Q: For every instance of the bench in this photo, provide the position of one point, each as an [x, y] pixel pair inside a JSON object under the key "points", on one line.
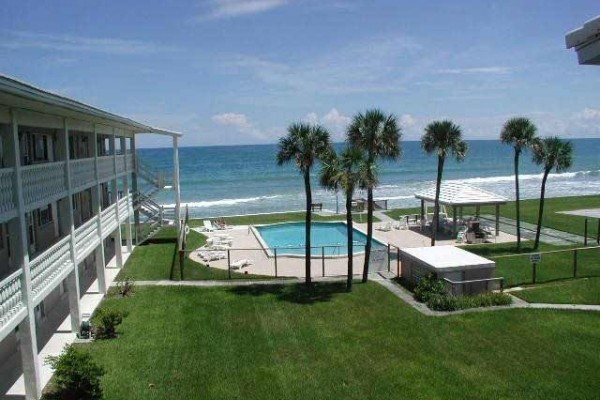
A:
{"points": [[316, 206]]}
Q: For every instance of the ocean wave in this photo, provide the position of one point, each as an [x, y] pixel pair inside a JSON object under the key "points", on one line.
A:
{"points": [[511, 178], [225, 202], [399, 197]]}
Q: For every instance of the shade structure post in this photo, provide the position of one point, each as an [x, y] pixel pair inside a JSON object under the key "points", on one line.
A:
{"points": [[497, 219], [454, 229], [176, 181]]}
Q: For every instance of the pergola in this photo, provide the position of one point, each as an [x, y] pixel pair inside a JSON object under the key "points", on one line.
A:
{"points": [[457, 196]]}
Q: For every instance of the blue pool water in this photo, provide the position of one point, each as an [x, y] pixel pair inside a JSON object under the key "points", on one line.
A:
{"points": [[288, 238]]}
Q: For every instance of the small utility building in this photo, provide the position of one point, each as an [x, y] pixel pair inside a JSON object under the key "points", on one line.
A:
{"points": [[464, 272]]}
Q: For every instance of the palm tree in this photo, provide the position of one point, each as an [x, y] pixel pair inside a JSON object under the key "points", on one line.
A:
{"points": [[519, 133], [442, 138], [552, 153], [378, 136], [345, 172], [305, 145]]}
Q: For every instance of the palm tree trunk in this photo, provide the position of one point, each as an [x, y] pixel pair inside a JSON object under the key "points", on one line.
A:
{"points": [[541, 212], [436, 210], [518, 210], [350, 240], [308, 220], [369, 234]]}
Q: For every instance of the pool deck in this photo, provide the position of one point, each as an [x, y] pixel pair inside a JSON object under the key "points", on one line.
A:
{"points": [[246, 247]]}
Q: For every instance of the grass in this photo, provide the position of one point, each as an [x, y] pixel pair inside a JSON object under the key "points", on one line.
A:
{"points": [[518, 270], [281, 217], [157, 259], [579, 291], [529, 213], [280, 342]]}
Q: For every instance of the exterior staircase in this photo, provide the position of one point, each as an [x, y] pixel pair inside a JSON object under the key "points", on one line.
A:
{"points": [[152, 215]]}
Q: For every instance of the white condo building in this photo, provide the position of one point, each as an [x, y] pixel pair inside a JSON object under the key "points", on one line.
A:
{"points": [[72, 195]]}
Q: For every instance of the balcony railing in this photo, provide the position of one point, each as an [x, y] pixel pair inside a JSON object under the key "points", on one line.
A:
{"points": [[47, 182], [7, 200], [86, 238], [109, 220], [106, 167], [82, 173], [43, 183], [11, 301], [49, 265]]}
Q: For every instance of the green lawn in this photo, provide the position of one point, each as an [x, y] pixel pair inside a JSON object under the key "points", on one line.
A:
{"points": [[579, 291], [517, 269], [157, 259], [280, 217], [529, 213], [279, 342]]}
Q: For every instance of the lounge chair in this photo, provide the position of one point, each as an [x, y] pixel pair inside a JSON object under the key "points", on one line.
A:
{"points": [[208, 227], [244, 262], [384, 228], [211, 255], [402, 223]]}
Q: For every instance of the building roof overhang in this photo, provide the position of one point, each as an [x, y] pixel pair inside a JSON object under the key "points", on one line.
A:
{"points": [[586, 42], [18, 94]]}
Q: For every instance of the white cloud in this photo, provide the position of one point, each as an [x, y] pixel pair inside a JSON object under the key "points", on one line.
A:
{"points": [[241, 124], [72, 43], [382, 64], [311, 118], [239, 121], [588, 114], [234, 8], [334, 117], [497, 70], [407, 121]]}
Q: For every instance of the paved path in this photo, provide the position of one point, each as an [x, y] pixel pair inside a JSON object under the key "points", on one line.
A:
{"points": [[548, 235]]}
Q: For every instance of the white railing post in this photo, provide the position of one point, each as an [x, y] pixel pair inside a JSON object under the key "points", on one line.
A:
{"points": [[73, 278], [97, 205], [176, 182], [115, 190], [27, 331], [126, 196]]}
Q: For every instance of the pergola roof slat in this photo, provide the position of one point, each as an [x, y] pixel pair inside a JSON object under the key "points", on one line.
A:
{"points": [[460, 194]]}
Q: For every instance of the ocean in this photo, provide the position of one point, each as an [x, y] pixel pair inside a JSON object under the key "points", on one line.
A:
{"points": [[233, 180]]}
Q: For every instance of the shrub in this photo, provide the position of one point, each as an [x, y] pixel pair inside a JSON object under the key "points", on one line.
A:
{"points": [[126, 286], [429, 285], [432, 292], [76, 376], [106, 322]]}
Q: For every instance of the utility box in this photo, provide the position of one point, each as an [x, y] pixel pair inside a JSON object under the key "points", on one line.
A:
{"points": [[465, 273]]}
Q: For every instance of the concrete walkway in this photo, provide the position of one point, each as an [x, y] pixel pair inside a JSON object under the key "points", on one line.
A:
{"points": [[547, 235], [62, 335]]}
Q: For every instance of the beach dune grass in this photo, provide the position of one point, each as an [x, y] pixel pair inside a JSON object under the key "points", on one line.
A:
{"points": [[280, 342], [577, 291], [158, 259]]}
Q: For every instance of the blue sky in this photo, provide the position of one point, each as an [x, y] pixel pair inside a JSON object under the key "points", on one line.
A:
{"points": [[237, 72]]}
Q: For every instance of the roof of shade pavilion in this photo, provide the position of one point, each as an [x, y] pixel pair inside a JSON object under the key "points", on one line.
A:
{"points": [[460, 194]]}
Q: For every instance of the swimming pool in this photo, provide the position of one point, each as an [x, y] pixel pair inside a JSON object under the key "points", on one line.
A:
{"points": [[288, 239]]}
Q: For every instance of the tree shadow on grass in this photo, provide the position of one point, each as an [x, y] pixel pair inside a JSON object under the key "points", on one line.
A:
{"points": [[297, 293], [158, 240]]}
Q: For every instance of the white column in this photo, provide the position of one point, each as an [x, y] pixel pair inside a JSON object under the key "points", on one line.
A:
{"points": [[134, 188], [115, 189], [27, 330], [126, 193], [176, 181], [72, 280], [97, 206]]}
